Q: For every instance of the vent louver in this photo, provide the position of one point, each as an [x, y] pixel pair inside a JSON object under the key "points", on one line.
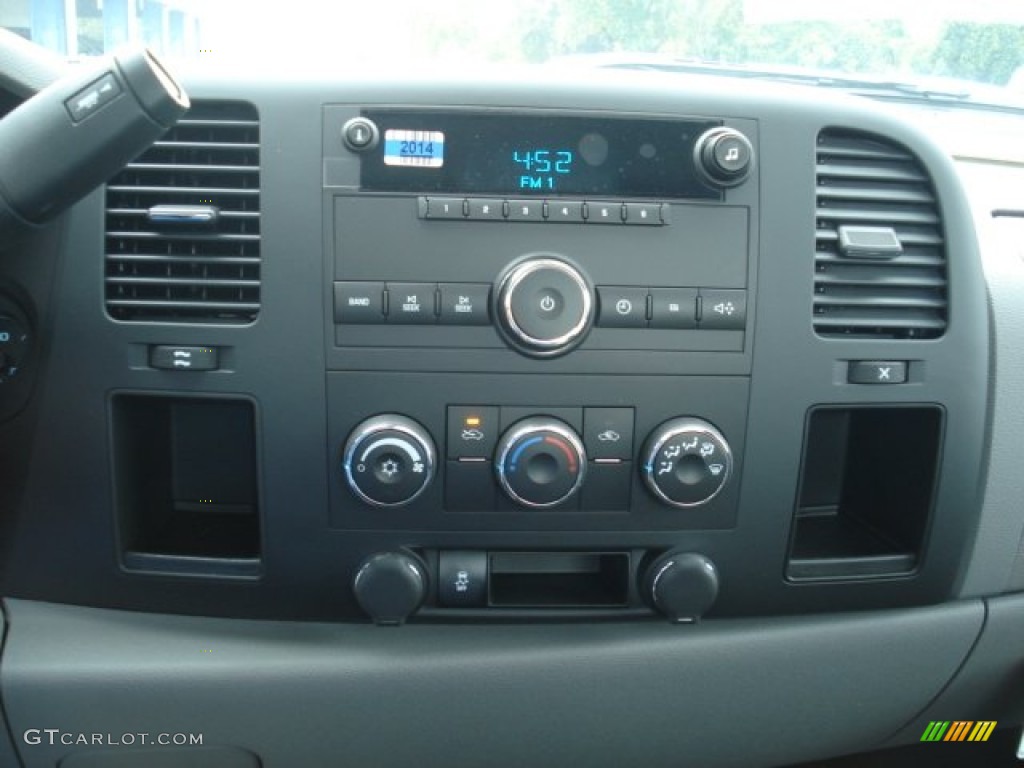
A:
{"points": [[203, 267], [869, 185]]}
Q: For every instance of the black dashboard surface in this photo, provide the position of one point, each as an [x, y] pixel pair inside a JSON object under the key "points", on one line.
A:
{"points": [[838, 489]]}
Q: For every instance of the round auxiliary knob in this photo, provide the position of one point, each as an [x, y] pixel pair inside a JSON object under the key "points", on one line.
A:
{"points": [[686, 462], [724, 156], [540, 462], [360, 134], [681, 585], [390, 586], [389, 460], [544, 306]]}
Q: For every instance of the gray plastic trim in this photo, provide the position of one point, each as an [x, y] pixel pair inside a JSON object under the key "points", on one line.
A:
{"points": [[1001, 523], [722, 693]]}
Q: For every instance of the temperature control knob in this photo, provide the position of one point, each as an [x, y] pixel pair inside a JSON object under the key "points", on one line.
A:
{"points": [[686, 462], [540, 462], [544, 306], [723, 156], [389, 460]]}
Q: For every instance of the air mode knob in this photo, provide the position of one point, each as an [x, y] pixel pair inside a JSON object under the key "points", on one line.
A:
{"points": [[724, 156], [389, 460], [540, 462], [686, 462], [544, 306]]}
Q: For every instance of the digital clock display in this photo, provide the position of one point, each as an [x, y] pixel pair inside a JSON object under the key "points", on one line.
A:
{"points": [[534, 154], [542, 168]]}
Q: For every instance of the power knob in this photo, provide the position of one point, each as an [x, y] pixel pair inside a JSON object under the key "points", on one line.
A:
{"points": [[544, 306], [686, 462], [389, 460], [724, 157]]}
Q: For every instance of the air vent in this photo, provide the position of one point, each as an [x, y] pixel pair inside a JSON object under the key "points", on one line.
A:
{"points": [[183, 222], [880, 260]]}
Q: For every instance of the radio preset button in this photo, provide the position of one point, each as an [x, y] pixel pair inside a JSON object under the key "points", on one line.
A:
{"points": [[359, 302], [674, 308], [411, 303], [465, 303], [445, 208], [485, 209], [644, 214], [622, 307], [604, 213], [526, 210], [566, 211]]}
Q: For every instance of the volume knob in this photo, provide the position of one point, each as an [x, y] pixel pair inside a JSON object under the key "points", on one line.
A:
{"points": [[544, 306]]}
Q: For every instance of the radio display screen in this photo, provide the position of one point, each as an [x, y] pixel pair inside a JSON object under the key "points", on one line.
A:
{"points": [[513, 155]]}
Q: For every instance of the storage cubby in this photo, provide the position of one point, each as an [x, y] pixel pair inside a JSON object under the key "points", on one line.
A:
{"points": [[866, 492], [185, 474]]}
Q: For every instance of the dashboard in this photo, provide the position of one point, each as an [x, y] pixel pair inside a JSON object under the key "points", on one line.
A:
{"points": [[520, 422]]}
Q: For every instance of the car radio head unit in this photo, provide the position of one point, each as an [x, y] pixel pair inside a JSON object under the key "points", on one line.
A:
{"points": [[534, 154]]}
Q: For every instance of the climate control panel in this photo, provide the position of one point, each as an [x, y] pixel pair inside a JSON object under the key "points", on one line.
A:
{"points": [[538, 462]]}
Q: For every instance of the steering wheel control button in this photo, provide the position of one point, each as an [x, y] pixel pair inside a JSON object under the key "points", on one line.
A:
{"points": [[877, 372], [544, 306], [472, 431], [411, 303], [723, 310], [526, 210], [462, 579], [464, 304], [622, 307], [540, 462], [724, 156], [608, 433], [389, 460], [681, 585], [674, 308], [445, 208], [360, 134], [93, 97], [644, 214], [359, 302], [14, 342], [177, 358], [390, 587], [686, 462]]}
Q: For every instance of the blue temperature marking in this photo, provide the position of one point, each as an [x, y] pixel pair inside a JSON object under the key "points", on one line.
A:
{"points": [[518, 452]]}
